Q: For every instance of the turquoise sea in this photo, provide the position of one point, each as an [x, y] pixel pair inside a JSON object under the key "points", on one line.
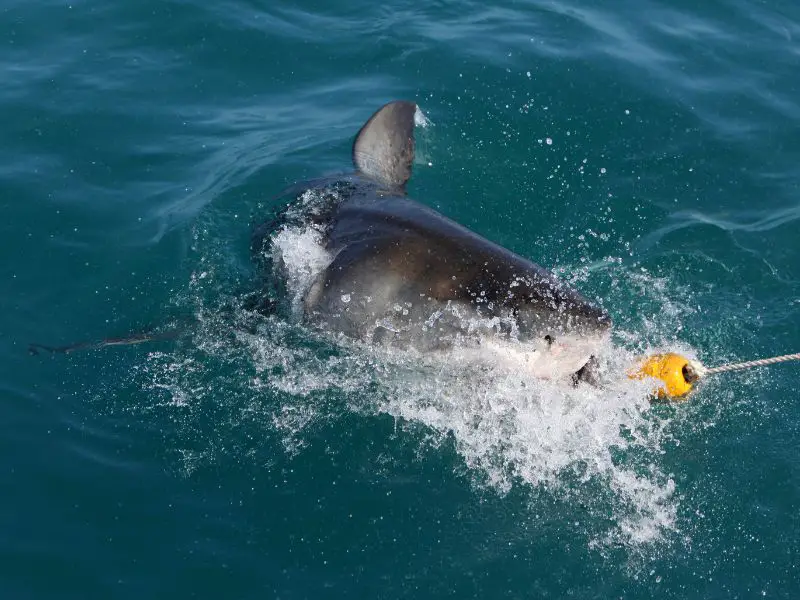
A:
{"points": [[648, 152]]}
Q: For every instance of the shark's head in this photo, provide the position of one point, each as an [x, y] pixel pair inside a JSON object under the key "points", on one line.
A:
{"points": [[565, 327]]}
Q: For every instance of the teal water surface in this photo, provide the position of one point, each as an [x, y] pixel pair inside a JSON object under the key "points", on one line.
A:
{"points": [[647, 151]]}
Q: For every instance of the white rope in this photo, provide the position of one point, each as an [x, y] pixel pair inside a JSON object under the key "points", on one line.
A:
{"points": [[703, 371]]}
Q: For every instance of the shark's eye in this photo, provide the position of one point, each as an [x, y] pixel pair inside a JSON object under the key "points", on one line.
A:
{"points": [[549, 339]]}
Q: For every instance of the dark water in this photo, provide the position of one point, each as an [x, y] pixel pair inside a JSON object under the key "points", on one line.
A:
{"points": [[648, 151]]}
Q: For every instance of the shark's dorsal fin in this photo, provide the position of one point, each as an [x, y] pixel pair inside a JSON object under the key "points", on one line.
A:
{"points": [[384, 148]]}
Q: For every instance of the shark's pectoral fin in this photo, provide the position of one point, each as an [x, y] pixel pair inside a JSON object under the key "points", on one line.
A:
{"points": [[384, 148]]}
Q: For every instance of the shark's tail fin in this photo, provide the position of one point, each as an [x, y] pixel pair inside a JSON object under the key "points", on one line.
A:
{"points": [[139, 338]]}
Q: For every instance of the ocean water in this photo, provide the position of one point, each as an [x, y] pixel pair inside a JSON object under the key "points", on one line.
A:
{"points": [[648, 152]]}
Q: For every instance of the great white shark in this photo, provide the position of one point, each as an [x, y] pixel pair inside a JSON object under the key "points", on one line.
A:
{"points": [[399, 273]]}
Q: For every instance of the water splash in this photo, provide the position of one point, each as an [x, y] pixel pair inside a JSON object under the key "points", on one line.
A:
{"points": [[272, 383]]}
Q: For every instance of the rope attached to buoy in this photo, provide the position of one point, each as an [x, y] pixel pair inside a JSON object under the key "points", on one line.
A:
{"points": [[763, 362], [678, 374]]}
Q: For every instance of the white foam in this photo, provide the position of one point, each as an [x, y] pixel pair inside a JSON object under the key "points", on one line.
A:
{"points": [[596, 447], [509, 410], [420, 119], [301, 257], [513, 428]]}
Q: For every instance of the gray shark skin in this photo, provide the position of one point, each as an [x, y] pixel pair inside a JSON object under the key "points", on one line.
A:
{"points": [[401, 274]]}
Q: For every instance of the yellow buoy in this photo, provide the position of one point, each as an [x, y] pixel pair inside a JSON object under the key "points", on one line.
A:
{"points": [[671, 369]]}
